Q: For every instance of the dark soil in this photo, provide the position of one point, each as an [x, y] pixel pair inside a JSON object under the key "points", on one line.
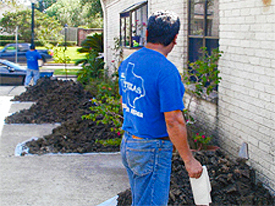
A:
{"points": [[233, 182], [64, 102], [74, 136], [56, 101]]}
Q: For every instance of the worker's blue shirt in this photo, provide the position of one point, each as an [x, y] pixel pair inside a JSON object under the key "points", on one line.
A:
{"points": [[150, 85], [32, 59]]}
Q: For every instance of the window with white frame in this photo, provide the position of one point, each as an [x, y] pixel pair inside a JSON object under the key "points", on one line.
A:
{"points": [[133, 23]]}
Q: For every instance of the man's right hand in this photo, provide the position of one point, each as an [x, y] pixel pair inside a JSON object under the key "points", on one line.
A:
{"points": [[194, 168]]}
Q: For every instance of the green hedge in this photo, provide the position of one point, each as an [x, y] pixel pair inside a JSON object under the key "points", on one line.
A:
{"points": [[7, 37], [69, 43], [4, 42], [37, 43]]}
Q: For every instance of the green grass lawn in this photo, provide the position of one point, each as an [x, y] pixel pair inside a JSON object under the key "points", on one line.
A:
{"points": [[63, 71], [71, 52]]}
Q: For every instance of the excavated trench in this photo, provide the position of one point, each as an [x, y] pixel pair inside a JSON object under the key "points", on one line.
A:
{"points": [[233, 181]]}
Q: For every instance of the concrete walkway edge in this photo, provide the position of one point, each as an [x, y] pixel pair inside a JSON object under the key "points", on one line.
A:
{"points": [[55, 180]]}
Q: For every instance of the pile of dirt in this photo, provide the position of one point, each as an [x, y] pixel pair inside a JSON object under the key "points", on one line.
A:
{"points": [[55, 101], [64, 102], [74, 136], [233, 183], [44, 87]]}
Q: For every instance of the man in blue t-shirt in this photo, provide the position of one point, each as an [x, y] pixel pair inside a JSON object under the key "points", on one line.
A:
{"points": [[152, 101], [32, 66]]}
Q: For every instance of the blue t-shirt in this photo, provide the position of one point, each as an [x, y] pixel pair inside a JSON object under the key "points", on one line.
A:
{"points": [[149, 85], [32, 59]]}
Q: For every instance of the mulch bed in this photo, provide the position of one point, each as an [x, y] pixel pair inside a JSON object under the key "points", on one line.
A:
{"points": [[233, 182]]}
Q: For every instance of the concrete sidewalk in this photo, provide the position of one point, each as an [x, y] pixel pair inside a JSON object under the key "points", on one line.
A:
{"points": [[52, 180]]}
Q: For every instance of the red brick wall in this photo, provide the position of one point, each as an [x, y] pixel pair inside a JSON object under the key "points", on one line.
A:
{"points": [[82, 33]]}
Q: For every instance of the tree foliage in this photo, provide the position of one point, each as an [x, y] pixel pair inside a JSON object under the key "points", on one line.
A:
{"points": [[12, 3], [77, 13], [45, 27], [48, 3], [94, 7]]}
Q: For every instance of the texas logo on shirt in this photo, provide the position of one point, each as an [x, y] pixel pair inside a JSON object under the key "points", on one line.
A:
{"points": [[132, 85]]}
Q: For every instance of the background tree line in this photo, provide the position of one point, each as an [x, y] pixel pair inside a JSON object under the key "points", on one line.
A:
{"points": [[50, 18]]}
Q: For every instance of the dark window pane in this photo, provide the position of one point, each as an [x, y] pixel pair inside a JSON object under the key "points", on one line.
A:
{"points": [[124, 15], [194, 53], [211, 44], [194, 49]]}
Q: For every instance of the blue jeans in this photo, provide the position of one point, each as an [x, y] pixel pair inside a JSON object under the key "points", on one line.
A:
{"points": [[31, 73], [148, 164]]}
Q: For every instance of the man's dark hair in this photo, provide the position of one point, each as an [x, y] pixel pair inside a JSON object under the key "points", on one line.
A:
{"points": [[162, 27], [32, 46]]}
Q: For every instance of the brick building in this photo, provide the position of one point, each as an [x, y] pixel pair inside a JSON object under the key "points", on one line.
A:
{"points": [[244, 30]]}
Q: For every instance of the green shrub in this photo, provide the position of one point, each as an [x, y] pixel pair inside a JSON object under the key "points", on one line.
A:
{"points": [[60, 55], [92, 43], [204, 73], [108, 111], [69, 43], [203, 77], [53, 42], [5, 42], [7, 37], [92, 68], [36, 42], [112, 142]]}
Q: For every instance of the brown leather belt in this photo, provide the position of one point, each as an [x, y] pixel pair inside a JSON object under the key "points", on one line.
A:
{"points": [[162, 138]]}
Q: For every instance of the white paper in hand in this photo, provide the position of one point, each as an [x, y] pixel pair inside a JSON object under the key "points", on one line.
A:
{"points": [[201, 188]]}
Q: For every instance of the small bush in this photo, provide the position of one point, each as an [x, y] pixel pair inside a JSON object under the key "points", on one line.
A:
{"points": [[5, 42], [104, 87], [7, 37], [92, 68], [107, 110], [112, 142]]}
